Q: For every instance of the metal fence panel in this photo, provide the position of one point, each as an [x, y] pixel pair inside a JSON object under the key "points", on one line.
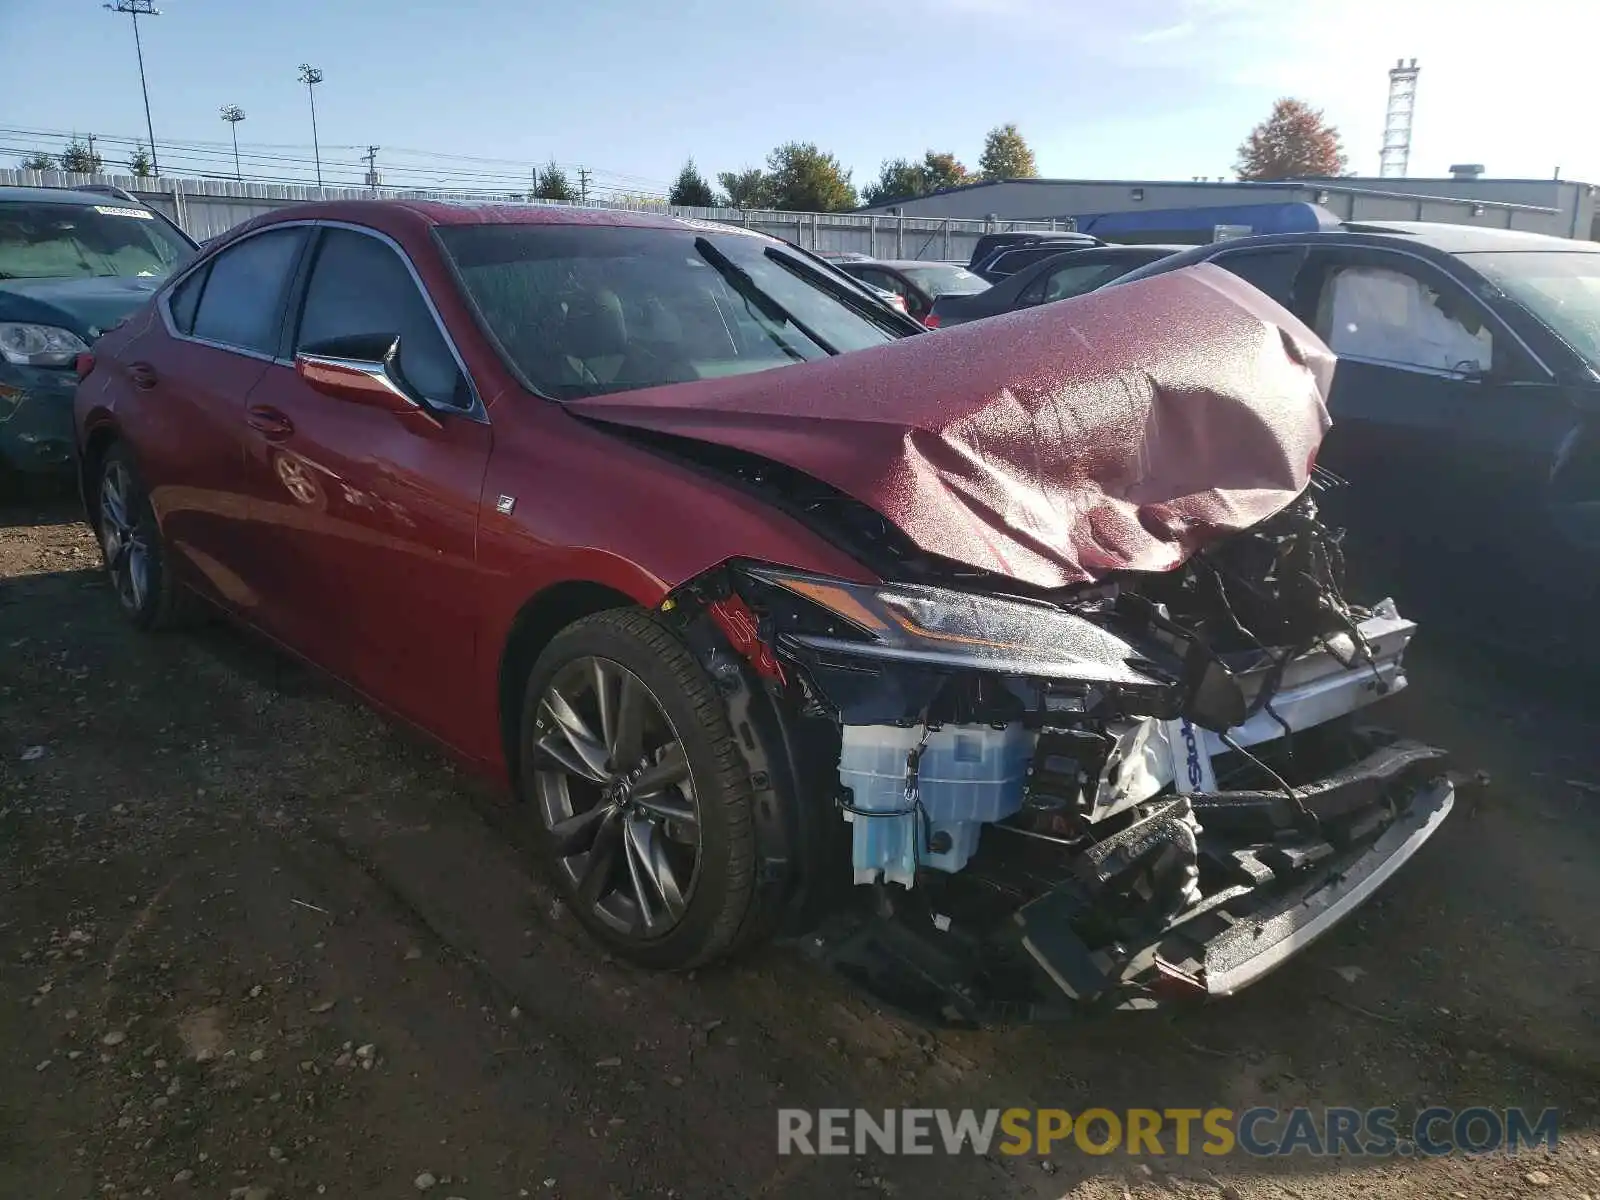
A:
{"points": [[205, 208]]}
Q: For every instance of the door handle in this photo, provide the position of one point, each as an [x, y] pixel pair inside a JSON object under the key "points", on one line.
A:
{"points": [[269, 422], [143, 375]]}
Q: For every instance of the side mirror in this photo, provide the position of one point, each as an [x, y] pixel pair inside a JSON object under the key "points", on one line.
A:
{"points": [[363, 368]]}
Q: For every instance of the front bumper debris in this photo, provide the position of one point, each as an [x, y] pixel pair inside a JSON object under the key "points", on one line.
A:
{"points": [[1238, 934]]}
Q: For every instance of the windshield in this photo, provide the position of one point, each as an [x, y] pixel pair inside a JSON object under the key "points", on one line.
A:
{"points": [[583, 311], [1560, 287], [69, 241], [943, 279]]}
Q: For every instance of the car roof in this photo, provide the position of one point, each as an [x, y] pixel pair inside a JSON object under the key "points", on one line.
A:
{"points": [[50, 195], [917, 262], [452, 212], [1462, 239]]}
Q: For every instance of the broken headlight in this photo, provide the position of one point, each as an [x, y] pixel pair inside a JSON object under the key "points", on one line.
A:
{"points": [[942, 627]]}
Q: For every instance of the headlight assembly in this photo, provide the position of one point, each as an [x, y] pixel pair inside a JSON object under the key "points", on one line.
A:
{"points": [[943, 627], [39, 345]]}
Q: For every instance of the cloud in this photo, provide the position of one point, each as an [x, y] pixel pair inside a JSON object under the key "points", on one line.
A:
{"points": [[1165, 33]]}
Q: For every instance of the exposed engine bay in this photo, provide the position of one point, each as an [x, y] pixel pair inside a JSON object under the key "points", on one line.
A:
{"points": [[1105, 795]]}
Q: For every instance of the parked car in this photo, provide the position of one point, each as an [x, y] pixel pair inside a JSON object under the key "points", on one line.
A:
{"points": [[990, 244], [776, 618], [72, 264], [1466, 411], [1058, 276], [918, 284]]}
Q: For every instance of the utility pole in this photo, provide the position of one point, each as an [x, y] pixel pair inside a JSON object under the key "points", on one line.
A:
{"points": [[310, 76], [372, 167], [233, 114], [583, 185], [91, 153], [137, 9]]}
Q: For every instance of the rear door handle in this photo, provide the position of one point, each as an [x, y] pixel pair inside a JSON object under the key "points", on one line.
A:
{"points": [[269, 422], [143, 375]]}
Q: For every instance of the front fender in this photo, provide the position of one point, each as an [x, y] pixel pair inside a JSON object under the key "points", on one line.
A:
{"points": [[588, 507]]}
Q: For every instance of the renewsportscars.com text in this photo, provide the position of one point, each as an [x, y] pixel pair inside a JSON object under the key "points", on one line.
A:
{"points": [[1262, 1132]]}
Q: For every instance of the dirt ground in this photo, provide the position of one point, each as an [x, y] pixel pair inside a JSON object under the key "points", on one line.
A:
{"points": [[255, 942]]}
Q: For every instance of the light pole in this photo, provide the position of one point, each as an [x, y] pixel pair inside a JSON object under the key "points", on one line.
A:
{"points": [[137, 9], [310, 76], [233, 114]]}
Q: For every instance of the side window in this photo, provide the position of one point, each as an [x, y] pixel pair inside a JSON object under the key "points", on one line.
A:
{"points": [[241, 303], [1272, 271], [185, 300], [360, 285], [1392, 316], [1066, 282]]}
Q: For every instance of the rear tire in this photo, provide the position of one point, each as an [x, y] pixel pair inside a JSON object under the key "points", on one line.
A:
{"points": [[131, 544], [642, 803]]}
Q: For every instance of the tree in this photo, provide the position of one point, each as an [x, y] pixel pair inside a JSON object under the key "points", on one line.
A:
{"points": [[1005, 155], [38, 161], [944, 170], [750, 188], [553, 184], [804, 179], [691, 190], [1293, 143], [899, 179], [81, 160], [139, 162]]}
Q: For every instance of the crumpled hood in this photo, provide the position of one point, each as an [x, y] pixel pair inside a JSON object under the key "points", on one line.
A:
{"points": [[1121, 430], [86, 305]]}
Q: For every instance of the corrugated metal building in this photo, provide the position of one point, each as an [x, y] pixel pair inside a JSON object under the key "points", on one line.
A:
{"points": [[1564, 208]]}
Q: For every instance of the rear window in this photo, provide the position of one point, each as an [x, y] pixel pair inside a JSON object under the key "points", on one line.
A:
{"points": [[583, 311], [71, 241], [946, 280]]}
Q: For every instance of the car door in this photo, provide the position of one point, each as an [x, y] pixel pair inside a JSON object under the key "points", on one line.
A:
{"points": [[370, 520], [1443, 422], [192, 372]]}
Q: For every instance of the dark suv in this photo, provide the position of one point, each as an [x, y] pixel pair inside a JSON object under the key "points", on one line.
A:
{"points": [[72, 265], [1465, 407]]}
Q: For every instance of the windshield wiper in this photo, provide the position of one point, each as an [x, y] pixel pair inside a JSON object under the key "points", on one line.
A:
{"points": [[744, 283], [860, 303]]}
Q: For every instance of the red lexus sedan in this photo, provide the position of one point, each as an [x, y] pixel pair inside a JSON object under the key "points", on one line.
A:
{"points": [[973, 657]]}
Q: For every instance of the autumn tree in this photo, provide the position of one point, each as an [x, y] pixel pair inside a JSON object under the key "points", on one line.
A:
{"points": [[552, 184], [1006, 155], [1293, 143], [38, 161], [901, 179], [691, 190], [139, 162], [944, 170], [749, 188], [81, 160], [804, 179]]}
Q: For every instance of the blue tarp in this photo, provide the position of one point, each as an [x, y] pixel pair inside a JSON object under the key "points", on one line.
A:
{"points": [[1197, 224]]}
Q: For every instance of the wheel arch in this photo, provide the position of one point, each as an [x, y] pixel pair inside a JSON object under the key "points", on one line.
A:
{"points": [[100, 435], [542, 616]]}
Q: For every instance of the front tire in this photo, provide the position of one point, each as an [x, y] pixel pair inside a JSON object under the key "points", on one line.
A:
{"points": [[131, 544], [642, 801]]}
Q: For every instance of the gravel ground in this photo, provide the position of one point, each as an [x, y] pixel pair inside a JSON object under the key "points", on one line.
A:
{"points": [[256, 943]]}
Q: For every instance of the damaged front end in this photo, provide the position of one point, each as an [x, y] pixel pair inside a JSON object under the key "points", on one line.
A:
{"points": [[1102, 796]]}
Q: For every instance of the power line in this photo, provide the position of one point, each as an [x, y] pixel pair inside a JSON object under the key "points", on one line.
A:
{"points": [[199, 155]]}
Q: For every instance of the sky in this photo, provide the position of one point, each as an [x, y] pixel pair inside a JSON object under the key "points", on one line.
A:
{"points": [[1135, 89]]}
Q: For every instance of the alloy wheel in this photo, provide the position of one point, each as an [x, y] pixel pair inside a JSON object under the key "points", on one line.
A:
{"points": [[123, 541], [617, 796]]}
